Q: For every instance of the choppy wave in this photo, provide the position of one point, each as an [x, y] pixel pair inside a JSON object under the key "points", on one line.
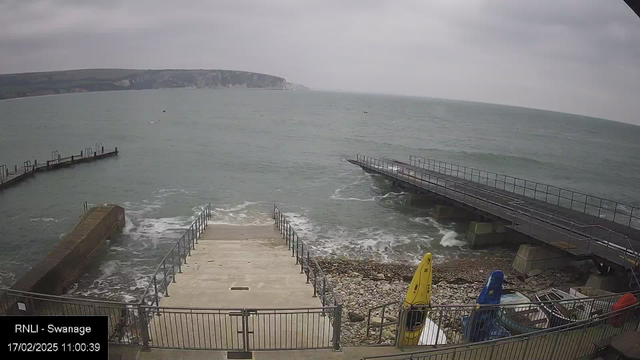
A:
{"points": [[369, 242], [449, 236], [247, 213], [337, 193]]}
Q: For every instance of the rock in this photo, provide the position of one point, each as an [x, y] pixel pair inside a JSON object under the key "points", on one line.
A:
{"points": [[355, 317], [386, 287], [407, 278], [388, 334], [375, 320], [380, 276], [534, 272], [390, 318]]}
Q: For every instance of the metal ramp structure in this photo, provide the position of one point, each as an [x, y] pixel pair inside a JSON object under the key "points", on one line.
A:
{"points": [[581, 225]]}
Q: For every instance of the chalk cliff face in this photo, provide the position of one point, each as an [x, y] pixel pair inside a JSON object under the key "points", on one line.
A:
{"points": [[60, 82]]}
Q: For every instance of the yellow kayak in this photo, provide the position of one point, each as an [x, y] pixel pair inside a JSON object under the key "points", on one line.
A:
{"points": [[418, 294]]}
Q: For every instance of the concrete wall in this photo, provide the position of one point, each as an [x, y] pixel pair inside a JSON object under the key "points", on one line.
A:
{"points": [[542, 257], [68, 260], [485, 234], [610, 282]]}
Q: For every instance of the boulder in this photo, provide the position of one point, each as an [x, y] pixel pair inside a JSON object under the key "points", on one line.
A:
{"points": [[355, 317], [534, 272]]}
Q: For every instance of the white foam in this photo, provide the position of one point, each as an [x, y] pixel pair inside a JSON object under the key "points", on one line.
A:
{"points": [[155, 229], [449, 239], [365, 242], [336, 196], [359, 180], [448, 236], [240, 215], [239, 207], [44, 219], [163, 193], [109, 267], [128, 225]]}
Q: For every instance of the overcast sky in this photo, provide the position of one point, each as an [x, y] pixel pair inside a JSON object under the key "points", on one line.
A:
{"points": [[578, 56]]}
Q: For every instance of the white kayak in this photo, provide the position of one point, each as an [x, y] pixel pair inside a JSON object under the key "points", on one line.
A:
{"points": [[431, 333]]}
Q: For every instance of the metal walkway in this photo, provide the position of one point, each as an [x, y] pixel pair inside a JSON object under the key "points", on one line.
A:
{"points": [[584, 226], [9, 178]]}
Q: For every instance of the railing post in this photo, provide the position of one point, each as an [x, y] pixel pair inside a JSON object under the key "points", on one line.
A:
{"points": [[293, 244], [314, 278], [173, 267], [606, 252], [309, 270], [402, 320], [324, 291], [155, 289], [439, 327], [337, 326], [164, 274], [600, 207], [144, 327], [197, 230], [302, 262], [297, 248], [179, 259]]}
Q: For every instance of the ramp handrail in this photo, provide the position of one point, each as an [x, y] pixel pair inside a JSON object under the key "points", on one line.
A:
{"points": [[178, 253]]}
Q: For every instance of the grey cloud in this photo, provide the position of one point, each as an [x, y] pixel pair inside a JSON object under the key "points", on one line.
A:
{"points": [[576, 56]]}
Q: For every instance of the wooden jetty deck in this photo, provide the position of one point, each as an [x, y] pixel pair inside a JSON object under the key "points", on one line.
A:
{"points": [[592, 234], [9, 177]]}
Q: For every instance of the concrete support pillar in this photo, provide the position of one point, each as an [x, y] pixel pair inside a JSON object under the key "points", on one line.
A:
{"points": [[609, 282], [540, 257], [485, 234]]}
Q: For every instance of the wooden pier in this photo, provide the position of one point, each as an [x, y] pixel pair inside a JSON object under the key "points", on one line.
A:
{"points": [[9, 177]]}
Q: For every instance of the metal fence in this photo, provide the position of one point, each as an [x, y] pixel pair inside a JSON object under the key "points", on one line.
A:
{"points": [[243, 329], [171, 263], [322, 287], [459, 324], [573, 237], [569, 341], [127, 322], [191, 328], [593, 205]]}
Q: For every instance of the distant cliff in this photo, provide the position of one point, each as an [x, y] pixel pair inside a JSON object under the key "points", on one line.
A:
{"points": [[61, 82]]}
